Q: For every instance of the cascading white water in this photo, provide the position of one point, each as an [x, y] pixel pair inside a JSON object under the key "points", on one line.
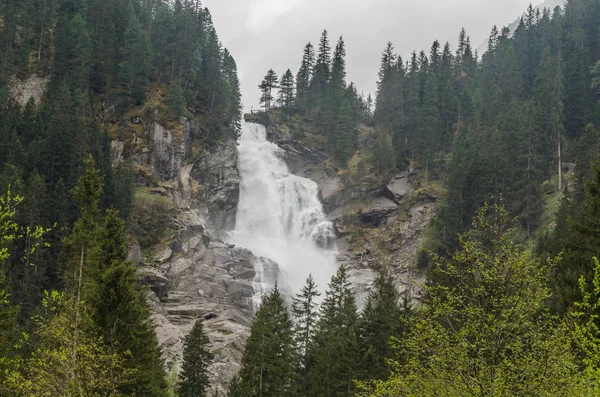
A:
{"points": [[280, 218]]}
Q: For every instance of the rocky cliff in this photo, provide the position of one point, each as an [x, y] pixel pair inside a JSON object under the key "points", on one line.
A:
{"points": [[191, 272]]}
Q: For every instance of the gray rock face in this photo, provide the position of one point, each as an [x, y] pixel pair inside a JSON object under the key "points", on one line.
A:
{"points": [[194, 275], [33, 87], [203, 278], [398, 187], [217, 172]]}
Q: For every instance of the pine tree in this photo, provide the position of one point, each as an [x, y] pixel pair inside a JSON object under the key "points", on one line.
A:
{"points": [[78, 271], [430, 130], [122, 313], [286, 91], [267, 363], [344, 133], [193, 378], [383, 153], [304, 77], [381, 319], [334, 94], [268, 84], [336, 349], [304, 310], [135, 67], [321, 72]]}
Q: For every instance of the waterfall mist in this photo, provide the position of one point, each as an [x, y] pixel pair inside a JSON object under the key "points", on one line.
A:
{"points": [[280, 219]]}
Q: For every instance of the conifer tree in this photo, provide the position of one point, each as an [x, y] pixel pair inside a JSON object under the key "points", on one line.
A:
{"points": [[286, 91], [334, 94], [336, 348], [381, 319], [304, 310], [78, 271], [266, 86], [383, 153], [122, 313], [268, 361], [304, 77], [193, 378], [135, 67], [344, 133], [321, 72]]}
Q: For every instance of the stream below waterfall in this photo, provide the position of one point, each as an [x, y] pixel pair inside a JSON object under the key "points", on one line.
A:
{"points": [[280, 219]]}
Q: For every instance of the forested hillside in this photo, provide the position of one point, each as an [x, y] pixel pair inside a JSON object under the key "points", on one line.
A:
{"points": [[505, 127], [509, 141], [73, 319]]}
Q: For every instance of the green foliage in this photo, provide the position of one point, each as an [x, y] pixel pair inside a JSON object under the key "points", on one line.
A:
{"points": [[383, 157], [335, 347], [70, 357], [587, 332], [578, 238], [151, 218], [487, 330], [381, 319], [286, 91], [193, 378], [267, 363], [120, 310], [78, 270], [266, 87], [344, 133], [304, 310]]}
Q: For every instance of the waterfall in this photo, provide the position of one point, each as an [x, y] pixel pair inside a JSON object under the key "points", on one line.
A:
{"points": [[280, 219]]}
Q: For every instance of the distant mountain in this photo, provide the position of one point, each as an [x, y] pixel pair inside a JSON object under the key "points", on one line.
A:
{"points": [[551, 4]]}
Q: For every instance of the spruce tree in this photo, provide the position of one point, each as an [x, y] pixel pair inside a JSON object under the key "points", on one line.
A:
{"points": [[193, 378], [78, 269], [304, 77], [286, 91], [268, 361], [381, 319], [336, 345], [266, 86], [334, 94], [344, 133], [321, 72], [121, 312], [304, 310]]}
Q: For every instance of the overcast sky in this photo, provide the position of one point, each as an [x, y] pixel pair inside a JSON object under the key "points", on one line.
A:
{"points": [[263, 34]]}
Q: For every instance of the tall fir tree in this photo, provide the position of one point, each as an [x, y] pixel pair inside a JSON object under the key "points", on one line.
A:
{"points": [[304, 77], [193, 378], [121, 312], [336, 345], [267, 86], [304, 310], [268, 360], [286, 91]]}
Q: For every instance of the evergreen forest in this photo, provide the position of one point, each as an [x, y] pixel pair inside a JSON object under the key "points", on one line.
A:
{"points": [[507, 141]]}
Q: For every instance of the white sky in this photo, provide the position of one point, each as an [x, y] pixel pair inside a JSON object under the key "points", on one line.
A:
{"points": [[263, 34]]}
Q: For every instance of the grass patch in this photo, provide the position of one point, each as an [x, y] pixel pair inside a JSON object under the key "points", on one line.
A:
{"points": [[152, 216]]}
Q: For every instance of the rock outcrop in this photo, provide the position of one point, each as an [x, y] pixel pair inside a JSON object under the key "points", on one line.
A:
{"points": [[32, 87], [192, 274]]}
